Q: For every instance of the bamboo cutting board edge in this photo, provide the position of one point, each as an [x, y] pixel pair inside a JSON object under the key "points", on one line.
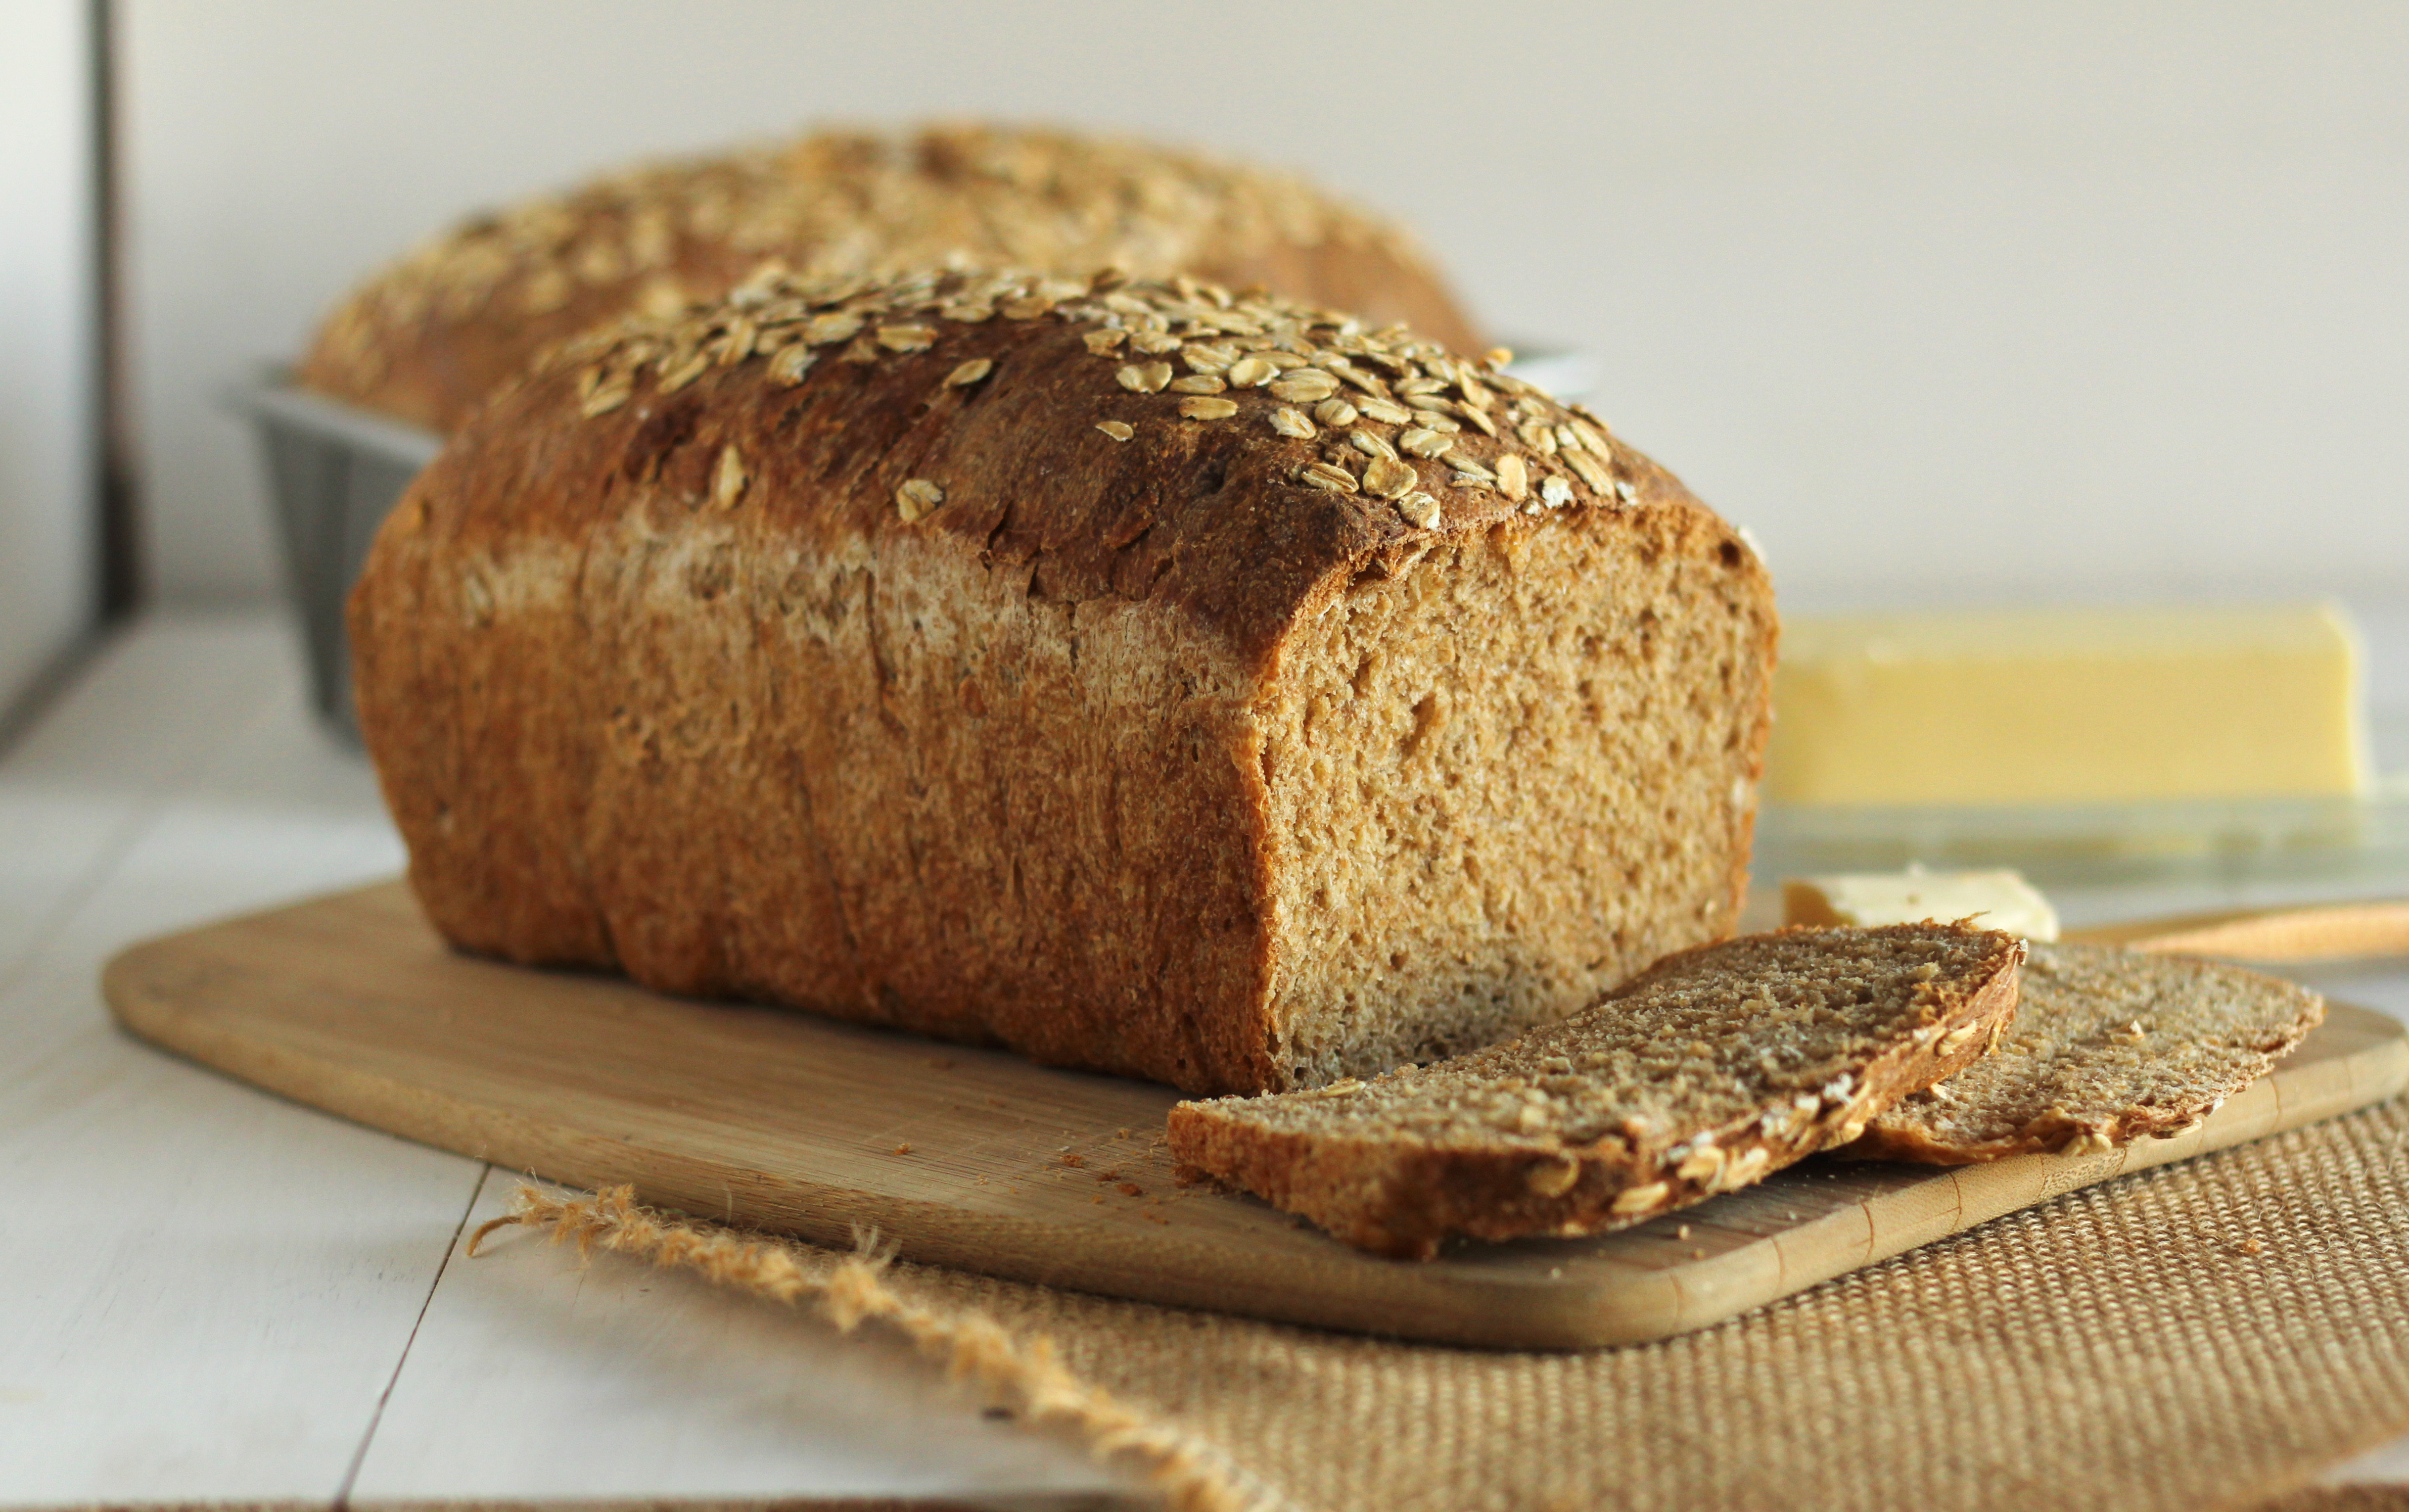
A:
{"points": [[979, 1160]]}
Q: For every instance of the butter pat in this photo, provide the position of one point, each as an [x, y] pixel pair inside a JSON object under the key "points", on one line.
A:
{"points": [[2067, 706], [2003, 900]]}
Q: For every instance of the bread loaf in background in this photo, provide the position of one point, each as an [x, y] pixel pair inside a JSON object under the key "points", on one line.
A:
{"points": [[427, 338], [1199, 687]]}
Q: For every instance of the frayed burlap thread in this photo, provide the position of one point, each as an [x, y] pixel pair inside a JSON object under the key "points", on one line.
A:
{"points": [[2206, 1335], [852, 1289]]}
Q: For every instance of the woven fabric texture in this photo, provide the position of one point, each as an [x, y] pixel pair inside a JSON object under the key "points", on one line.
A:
{"points": [[2209, 1334]]}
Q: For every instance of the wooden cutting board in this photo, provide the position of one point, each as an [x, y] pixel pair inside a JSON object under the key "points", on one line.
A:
{"points": [[978, 1160]]}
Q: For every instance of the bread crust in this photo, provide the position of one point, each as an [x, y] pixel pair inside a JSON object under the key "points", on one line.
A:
{"points": [[427, 337], [662, 678], [1403, 1196]]}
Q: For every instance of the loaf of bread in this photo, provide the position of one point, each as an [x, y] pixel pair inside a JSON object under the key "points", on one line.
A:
{"points": [[1712, 1070], [2109, 1045], [1149, 678], [427, 338]]}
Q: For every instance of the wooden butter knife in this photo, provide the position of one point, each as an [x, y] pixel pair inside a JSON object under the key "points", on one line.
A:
{"points": [[2325, 932]]}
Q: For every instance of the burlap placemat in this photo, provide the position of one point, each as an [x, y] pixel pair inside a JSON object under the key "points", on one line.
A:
{"points": [[2204, 1335]]}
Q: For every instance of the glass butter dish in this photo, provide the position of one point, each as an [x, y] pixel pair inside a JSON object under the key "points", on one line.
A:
{"points": [[2328, 839]]}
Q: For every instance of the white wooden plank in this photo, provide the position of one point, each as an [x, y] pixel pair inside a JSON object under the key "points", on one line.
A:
{"points": [[220, 1288], [152, 708], [222, 1283], [534, 1377]]}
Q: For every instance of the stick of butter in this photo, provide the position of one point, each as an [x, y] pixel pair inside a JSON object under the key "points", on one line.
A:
{"points": [[2067, 706], [2004, 899]]}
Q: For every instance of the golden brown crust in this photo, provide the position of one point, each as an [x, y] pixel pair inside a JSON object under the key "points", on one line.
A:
{"points": [[425, 338], [892, 685], [1400, 1164]]}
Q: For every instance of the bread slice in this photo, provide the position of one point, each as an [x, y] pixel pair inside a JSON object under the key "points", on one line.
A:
{"points": [[427, 338], [1716, 1066], [2108, 1045], [1147, 677]]}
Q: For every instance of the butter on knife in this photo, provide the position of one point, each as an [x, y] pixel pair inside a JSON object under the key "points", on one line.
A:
{"points": [[1998, 900]]}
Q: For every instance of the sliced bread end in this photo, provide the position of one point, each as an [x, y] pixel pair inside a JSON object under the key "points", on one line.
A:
{"points": [[2109, 1047], [1712, 1069]]}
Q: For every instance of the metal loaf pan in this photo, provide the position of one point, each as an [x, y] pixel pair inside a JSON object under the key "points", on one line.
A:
{"points": [[333, 474]]}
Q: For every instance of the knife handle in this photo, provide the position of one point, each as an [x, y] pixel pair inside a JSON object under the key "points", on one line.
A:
{"points": [[2325, 931]]}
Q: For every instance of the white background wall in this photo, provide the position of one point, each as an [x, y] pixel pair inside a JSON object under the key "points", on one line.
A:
{"points": [[2029, 300], [48, 581]]}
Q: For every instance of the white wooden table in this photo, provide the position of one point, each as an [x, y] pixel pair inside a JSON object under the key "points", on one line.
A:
{"points": [[206, 1293]]}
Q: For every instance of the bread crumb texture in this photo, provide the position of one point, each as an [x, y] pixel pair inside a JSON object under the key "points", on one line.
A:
{"points": [[2109, 1045], [1716, 1067], [429, 337], [756, 650]]}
